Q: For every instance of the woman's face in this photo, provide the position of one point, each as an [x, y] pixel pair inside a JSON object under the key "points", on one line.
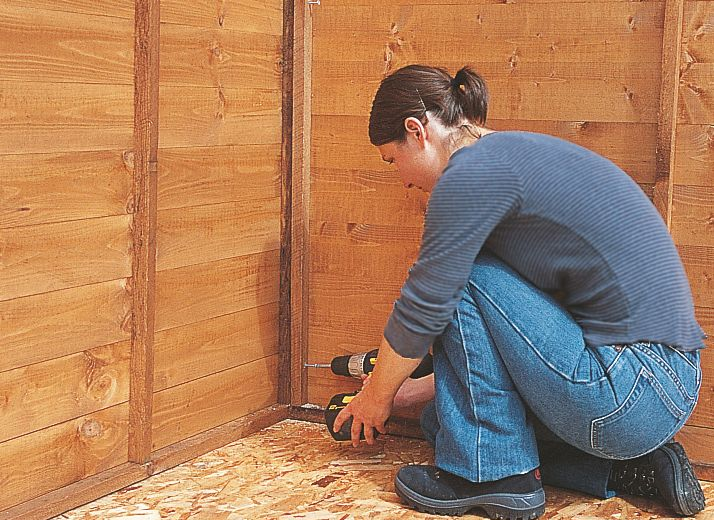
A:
{"points": [[419, 159]]}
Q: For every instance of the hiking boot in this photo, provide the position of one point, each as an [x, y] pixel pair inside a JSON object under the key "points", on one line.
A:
{"points": [[665, 473], [432, 490]]}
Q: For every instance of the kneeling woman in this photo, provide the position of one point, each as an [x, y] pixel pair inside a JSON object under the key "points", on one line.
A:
{"points": [[559, 313]]}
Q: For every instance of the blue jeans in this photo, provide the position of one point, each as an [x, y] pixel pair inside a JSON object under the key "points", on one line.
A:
{"points": [[515, 383]]}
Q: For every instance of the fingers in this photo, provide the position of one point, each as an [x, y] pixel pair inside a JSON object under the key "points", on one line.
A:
{"points": [[342, 417], [356, 428]]}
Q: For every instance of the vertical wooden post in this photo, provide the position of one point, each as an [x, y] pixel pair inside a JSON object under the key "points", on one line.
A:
{"points": [[285, 318], [668, 107], [144, 225], [301, 189]]}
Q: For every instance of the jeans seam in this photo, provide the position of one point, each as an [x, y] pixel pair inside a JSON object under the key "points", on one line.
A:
{"points": [[594, 434], [682, 356], [527, 340], [664, 365], [472, 397]]}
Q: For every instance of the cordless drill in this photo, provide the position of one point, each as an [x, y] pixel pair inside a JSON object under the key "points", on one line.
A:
{"points": [[357, 365]]}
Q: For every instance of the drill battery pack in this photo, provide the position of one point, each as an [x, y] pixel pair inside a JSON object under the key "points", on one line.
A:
{"points": [[337, 403]]}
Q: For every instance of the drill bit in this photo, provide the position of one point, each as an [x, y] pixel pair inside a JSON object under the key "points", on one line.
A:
{"points": [[316, 365]]}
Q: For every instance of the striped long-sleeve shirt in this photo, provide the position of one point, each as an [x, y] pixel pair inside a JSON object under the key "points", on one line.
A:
{"points": [[566, 219]]}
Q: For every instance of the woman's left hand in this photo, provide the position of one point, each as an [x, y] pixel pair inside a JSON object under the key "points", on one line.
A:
{"points": [[368, 412]]}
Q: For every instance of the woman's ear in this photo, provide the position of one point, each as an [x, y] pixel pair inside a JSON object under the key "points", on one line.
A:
{"points": [[415, 129]]}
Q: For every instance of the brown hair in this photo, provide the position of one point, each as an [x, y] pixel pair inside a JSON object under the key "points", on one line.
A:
{"points": [[416, 89]]}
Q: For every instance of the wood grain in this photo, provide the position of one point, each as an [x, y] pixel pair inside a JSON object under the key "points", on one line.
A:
{"points": [[144, 227], [53, 117], [699, 264], [219, 57], [693, 215], [697, 44], [394, 35], [285, 328], [191, 294], [561, 92], [193, 235], [197, 350], [696, 94], [186, 410], [668, 106], [56, 324], [61, 47], [44, 188], [201, 116], [60, 455], [48, 393], [698, 443], [211, 175], [50, 257], [694, 155], [261, 16], [110, 8]]}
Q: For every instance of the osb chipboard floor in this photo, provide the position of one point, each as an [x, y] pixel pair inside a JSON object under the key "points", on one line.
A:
{"points": [[294, 470]]}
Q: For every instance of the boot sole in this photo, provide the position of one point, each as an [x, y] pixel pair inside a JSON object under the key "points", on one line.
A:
{"points": [[498, 506], [689, 495]]}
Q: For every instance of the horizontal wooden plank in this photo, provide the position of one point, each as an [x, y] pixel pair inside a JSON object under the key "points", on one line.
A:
{"points": [[697, 43], [261, 16], [210, 175], [186, 353], [49, 257], [199, 292], [561, 91], [111, 8], [694, 164], [74, 495], [692, 221], [194, 235], [60, 47], [696, 94], [626, 32], [699, 444], [60, 323], [44, 188], [341, 142], [202, 116], [186, 410], [219, 57], [218, 437], [699, 264], [48, 393], [49, 459], [444, 3], [55, 117]]}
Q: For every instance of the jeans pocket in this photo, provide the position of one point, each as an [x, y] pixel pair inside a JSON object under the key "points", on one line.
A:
{"points": [[646, 419]]}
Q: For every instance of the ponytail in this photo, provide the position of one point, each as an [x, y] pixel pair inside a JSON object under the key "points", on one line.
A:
{"points": [[414, 90], [471, 94]]}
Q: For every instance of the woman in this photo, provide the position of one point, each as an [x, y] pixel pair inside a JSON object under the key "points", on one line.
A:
{"points": [[559, 313]]}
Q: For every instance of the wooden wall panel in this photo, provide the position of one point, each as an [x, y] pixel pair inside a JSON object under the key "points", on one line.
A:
{"points": [[53, 42], [47, 326], [188, 409], [692, 211], [192, 351], [66, 127], [50, 257], [44, 188], [218, 224], [49, 459], [44, 394]]}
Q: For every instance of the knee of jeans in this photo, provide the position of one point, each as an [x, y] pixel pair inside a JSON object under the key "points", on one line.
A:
{"points": [[487, 269]]}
